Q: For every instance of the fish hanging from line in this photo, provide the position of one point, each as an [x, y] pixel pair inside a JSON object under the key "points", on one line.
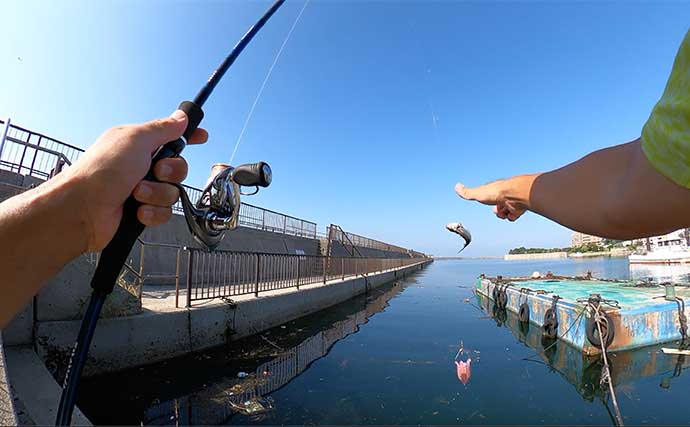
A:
{"points": [[457, 228], [463, 368]]}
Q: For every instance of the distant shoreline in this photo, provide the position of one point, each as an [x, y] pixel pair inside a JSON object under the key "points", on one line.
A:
{"points": [[447, 258], [564, 255]]}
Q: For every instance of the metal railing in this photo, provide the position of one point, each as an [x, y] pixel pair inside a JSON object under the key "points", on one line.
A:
{"points": [[268, 220], [222, 274], [30, 153], [336, 233], [135, 276]]}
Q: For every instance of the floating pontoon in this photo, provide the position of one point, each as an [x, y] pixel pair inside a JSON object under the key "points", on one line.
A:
{"points": [[633, 314]]}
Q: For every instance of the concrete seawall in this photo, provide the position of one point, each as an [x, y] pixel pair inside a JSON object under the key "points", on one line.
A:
{"points": [[124, 342]]}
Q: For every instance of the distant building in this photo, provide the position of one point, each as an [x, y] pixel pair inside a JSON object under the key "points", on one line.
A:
{"points": [[580, 239], [679, 238], [674, 238]]}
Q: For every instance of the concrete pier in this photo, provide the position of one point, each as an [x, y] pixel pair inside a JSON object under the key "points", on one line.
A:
{"points": [[39, 340], [124, 342]]}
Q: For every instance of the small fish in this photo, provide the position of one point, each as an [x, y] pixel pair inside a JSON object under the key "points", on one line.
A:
{"points": [[464, 370], [457, 228]]}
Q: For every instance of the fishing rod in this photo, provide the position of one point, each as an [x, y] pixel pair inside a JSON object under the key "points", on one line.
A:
{"points": [[215, 212]]}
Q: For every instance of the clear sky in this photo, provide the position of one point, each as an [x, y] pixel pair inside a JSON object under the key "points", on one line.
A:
{"points": [[375, 108]]}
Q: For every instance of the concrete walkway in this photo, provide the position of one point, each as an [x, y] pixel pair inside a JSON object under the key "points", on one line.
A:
{"points": [[7, 412], [163, 331], [161, 298], [35, 388]]}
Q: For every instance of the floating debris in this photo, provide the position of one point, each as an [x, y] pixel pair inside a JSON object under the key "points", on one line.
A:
{"points": [[253, 406]]}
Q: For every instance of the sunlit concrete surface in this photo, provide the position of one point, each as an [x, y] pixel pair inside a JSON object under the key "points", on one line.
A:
{"points": [[35, 388], [7, 413], [154, 335]]}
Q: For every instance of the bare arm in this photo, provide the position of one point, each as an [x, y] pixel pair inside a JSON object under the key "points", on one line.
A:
{"points": [[79, 210], [614, 193]]}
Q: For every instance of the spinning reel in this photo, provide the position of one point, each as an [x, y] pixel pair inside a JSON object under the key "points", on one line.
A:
{"points": [[217, 210]]}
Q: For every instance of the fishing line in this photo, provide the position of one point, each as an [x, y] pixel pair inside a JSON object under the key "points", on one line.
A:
{"points": [[263, 85]]}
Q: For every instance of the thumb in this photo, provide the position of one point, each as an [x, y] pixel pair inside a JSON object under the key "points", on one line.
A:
{"points": [[157, 132], [466, 193]]}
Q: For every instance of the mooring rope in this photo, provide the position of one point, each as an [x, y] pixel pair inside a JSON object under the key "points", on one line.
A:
{"points": [[606, 371]]}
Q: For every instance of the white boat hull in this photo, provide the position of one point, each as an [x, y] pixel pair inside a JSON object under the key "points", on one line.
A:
{"points": [[675, 257]]}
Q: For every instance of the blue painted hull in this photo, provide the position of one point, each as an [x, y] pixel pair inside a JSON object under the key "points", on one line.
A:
{"points": [[644, 324]]}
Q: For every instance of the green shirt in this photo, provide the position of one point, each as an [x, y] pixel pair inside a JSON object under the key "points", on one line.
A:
{"points": [[666, 135]]}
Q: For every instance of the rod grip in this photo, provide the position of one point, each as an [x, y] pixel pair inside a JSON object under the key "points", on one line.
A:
{"points": [[252, 174], [115, 253]]}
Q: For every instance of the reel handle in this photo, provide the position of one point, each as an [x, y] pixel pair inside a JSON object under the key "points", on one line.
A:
{"points": [[115, 253], [253, 174]]}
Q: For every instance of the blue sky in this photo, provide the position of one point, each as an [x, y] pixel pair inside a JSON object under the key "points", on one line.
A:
{"points": [[375, 108]]}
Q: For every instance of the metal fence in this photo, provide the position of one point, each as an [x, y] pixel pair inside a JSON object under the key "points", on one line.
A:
{"points": [[264, 219], [337, 234], [226, 274], [30, 153], [34, 154]]}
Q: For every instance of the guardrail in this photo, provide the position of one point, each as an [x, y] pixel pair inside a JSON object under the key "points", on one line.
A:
{"points": [[30, 153], [336, 233], [221, 274]]}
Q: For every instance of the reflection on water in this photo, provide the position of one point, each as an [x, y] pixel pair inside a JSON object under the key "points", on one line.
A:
{"points": [[228, 395], [397, 366], [583, 372]]}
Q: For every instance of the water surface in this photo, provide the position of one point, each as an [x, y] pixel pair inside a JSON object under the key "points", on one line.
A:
{"points": [[388, 358]]}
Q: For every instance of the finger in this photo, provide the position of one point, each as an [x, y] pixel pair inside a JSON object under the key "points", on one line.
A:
{"points": [[153, 215], [464, 192], [171, 169], [157, 132], [501, 212], [198, 137], [514, 215], [156, 193]]}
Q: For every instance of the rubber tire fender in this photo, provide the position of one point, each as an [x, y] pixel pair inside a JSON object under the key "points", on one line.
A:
{"points": [[523, 314], [607, 327], [502, 299], [550, 326]]}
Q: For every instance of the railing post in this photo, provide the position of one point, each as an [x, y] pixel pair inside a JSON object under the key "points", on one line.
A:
{"points": [[324, 270], [177, 279], [263, 219], [256, 283], [284, 224], [190, 264], [4, 135], [342, 267], [298, 263]]}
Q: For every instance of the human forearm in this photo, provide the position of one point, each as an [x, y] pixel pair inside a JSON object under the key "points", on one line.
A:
{"points": [[80, 209], [614, 193], [41, 230], [582, 195]]}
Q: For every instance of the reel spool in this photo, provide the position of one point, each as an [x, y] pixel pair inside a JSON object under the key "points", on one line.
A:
{"points": [[217, 210]]}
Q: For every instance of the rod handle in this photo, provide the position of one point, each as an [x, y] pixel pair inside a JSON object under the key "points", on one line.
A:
{"points": [[115, 253]]}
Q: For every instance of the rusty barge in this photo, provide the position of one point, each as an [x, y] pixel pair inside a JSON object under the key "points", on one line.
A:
{"points": [[631, 315]]}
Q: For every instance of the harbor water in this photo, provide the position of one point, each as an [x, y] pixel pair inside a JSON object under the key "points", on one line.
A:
{"points": [[389, 357]]}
